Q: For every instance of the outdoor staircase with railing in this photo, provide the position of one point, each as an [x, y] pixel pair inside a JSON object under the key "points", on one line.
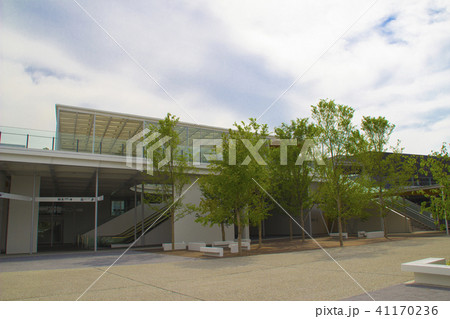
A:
{"points": [[420, 220], [132, 233], [121, 229]]}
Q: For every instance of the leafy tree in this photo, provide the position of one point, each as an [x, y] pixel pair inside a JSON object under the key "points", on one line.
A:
{"points": [[259, 204], [171, 164], [291, 177], [438, 164], [388, 173], [342, 190], [230, 194], [211, 202]]}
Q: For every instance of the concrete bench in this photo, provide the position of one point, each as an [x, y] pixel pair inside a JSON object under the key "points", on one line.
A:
{"points": [[234, 246], [336, 235], [178, 246], [212, 251], [362, 234], [195, 246], [429, 271], [222, 243], [375, 234]]}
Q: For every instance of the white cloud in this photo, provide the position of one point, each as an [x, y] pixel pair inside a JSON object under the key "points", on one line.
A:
{"points": [[225, 61]]}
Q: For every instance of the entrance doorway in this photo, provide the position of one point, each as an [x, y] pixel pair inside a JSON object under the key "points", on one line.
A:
{"points": [[50, 227]]}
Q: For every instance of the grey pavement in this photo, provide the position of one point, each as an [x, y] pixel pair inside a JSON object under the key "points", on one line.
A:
{"points": [[69, 260], [307, 275], [407, 292]]}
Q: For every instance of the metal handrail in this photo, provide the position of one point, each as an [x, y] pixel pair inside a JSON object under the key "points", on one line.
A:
{"points": [[411, 211]]}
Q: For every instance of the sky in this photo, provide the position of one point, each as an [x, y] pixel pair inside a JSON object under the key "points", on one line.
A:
{"points": [[218, 62]]}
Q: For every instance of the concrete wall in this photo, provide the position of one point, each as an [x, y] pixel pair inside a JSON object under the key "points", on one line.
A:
{"points": [[123, 222], [278, 224], [395, 223], [159, 235], [19, 219], [186, 229]]}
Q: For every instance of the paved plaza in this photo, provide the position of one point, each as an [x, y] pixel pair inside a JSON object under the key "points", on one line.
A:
{"points": [[306, 275]]}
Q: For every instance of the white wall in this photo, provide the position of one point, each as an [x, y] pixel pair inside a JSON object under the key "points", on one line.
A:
{"points": [[186, 229], [19, 220], [160, 234], [123, 222]]}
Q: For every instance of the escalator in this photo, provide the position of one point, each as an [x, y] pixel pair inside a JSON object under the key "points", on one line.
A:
{"points": [[128, 235]]}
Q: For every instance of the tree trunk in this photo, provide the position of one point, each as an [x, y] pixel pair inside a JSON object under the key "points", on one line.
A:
{"points": [[260, 234], [222, 227], [383, 218], [341, 241], [238, 217], [172, 221], [291, 236], [172, 214], [302, 221]]}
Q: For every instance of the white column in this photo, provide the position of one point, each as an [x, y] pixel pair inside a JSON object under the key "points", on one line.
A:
{"points": [[33, 204], [96, 210], [19, 235]]}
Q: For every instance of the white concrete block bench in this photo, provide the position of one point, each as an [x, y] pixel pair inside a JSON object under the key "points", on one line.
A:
{"points": [[431, 271], [212, 251], [195, 246], [221, 243], [336, 235], [375, 234], [178, 246], [234, 246]]}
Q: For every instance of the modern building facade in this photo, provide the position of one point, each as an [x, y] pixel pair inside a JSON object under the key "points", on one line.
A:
{"points": [[75, 188], [80, 172]]}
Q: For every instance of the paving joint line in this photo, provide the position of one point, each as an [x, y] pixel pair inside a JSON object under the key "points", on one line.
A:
{"points": [[154, 286]]}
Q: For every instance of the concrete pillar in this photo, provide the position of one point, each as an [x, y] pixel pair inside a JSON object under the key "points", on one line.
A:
{"points": [[246, 232], [19, 220], [3, 212]]}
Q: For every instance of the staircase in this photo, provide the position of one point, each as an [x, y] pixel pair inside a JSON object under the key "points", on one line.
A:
{"points": [[121, 229], [127, 236], [420, 220]]}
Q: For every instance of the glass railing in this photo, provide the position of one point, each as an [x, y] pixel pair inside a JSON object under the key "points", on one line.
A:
{"points": [[47, 140], [27, 138]]}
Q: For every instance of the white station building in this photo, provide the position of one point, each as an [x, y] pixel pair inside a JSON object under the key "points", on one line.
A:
{"points": [[73, 189]]}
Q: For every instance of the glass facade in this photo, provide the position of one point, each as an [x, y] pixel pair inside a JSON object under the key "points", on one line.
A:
{"points": [[87, 131]]}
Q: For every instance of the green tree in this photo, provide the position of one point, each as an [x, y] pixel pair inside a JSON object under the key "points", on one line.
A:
{"points": [[343, 193], [259, 204], [438, 165], [211, 202], [388, 173], [162, 144], [230, 194], [291, 174]]}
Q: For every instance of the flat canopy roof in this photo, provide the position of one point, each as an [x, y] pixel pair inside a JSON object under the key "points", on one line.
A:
{"points": [[87, 130]]}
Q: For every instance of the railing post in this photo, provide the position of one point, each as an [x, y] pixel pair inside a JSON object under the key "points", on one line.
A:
{"points": [[28, 137]]}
